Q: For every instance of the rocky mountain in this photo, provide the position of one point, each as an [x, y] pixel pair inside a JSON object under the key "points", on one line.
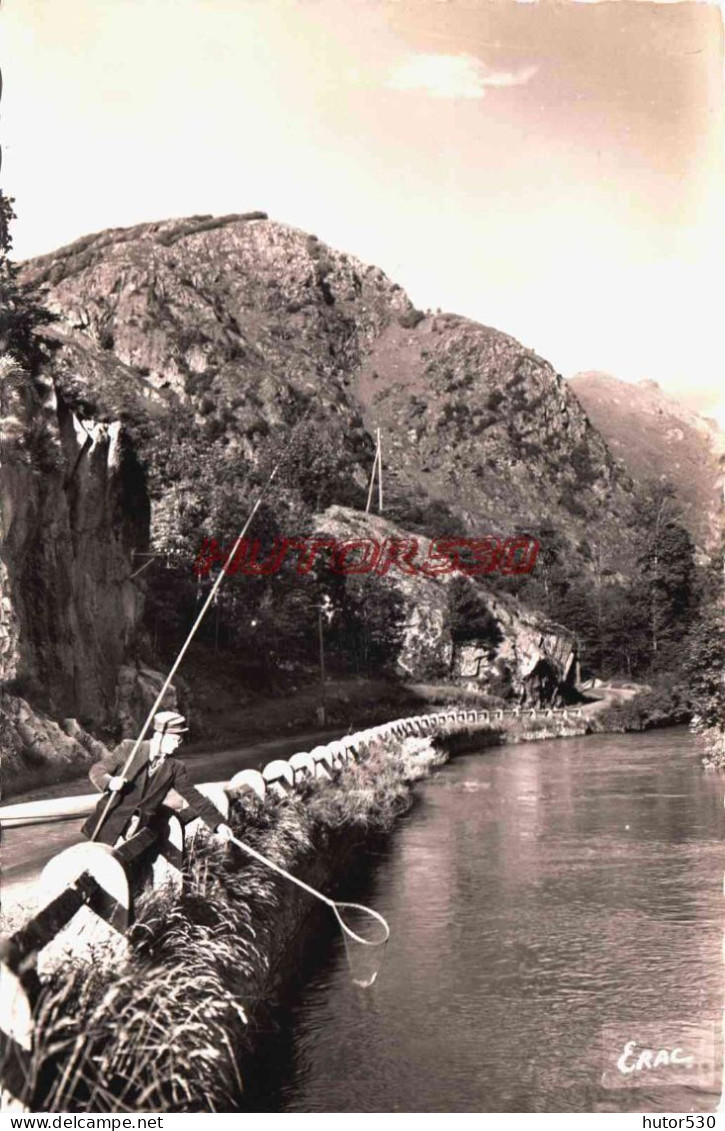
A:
{"points": [[234, 324], [182, 356], [654, 436]]}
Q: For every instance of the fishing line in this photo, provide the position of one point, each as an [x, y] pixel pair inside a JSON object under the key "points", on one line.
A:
{"points": [[212, 593]]}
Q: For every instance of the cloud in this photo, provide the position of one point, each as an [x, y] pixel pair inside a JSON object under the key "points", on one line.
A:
{"points": [[453, 76]]}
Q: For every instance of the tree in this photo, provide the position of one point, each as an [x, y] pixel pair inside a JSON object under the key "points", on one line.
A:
{"points": [[545, 587], [705, 671], [623, 632], [469, 617], [575, 608], [20, 312], [368, 632], [704, 666], [666, 570], [321, 459]]}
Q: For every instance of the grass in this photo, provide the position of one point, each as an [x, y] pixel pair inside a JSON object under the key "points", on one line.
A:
{"points": [[376, 791], [168, 1028]]}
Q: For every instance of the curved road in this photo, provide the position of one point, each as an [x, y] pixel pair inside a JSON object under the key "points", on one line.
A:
{"points": [[26, 849]]}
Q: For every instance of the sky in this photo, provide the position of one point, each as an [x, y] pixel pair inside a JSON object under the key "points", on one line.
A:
{"points": [[553, 169]]}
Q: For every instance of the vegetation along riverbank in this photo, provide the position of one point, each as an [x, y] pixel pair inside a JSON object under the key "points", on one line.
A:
{"points": [[168, 1028], [172, 1026]]}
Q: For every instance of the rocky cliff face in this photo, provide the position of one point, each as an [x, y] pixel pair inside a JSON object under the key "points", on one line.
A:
{"points": [[488, 428], [538, 656], [237, 319], [654, 435], [36, 750], [73, 509]]}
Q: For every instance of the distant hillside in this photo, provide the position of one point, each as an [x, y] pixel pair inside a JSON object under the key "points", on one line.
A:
{"points": [[226, 328], [655, 435]]}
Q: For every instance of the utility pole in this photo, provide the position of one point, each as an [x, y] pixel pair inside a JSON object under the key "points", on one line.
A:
{"points": [[380, 475], [323, 707], [325, 607], [377, 467]]}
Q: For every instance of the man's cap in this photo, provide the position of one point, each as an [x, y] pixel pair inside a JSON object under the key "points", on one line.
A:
{"points": [[170, 722]]}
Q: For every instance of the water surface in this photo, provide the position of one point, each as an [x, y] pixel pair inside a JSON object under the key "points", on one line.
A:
{"points": [[535, 894]]}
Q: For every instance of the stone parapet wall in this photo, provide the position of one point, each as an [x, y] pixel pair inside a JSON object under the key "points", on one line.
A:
{"points": [[96, 886]]}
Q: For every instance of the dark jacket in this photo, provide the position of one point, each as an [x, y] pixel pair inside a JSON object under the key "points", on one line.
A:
{"points": [[142, 793]]}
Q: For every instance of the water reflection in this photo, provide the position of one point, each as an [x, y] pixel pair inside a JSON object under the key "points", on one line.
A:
{"points": [[536, 894]]}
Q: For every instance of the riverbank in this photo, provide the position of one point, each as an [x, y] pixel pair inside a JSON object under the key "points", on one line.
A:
{"points": [[26, 852], [637, 709], [241, 925], [511, 730], [172, 1023], [235, 938], [204, 966], [209, 960]]}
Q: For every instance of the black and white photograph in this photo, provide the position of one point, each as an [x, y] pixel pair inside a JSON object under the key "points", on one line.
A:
{"points": [[362, 561]]}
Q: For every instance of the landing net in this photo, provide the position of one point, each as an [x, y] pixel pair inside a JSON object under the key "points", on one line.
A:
{"points": [[366, 935], [365, 931]]}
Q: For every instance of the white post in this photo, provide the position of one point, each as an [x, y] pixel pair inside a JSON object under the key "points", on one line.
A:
{"points": [[372, 474], [380, 475]]}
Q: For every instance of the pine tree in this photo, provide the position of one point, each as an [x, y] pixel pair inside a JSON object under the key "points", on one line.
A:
{"points": [[665, 584]]}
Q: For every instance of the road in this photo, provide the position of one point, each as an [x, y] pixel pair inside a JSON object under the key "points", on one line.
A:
{"points": [[26, 850]]}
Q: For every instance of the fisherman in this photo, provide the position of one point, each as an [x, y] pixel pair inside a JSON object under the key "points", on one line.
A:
{"points": [[153, 780]]}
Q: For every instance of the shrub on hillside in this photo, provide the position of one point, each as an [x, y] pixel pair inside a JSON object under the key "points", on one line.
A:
{"points": [[411, 318], [580, 460]]}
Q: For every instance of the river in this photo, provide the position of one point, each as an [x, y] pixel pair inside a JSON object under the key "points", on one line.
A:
{"points": [[548, 902]]}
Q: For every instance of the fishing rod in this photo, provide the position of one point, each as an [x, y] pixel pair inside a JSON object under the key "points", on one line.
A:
{"points": [[200, 617]]}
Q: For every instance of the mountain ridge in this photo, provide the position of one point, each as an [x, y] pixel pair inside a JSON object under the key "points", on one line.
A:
{"points": [[655, 435], [236, 320]]}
